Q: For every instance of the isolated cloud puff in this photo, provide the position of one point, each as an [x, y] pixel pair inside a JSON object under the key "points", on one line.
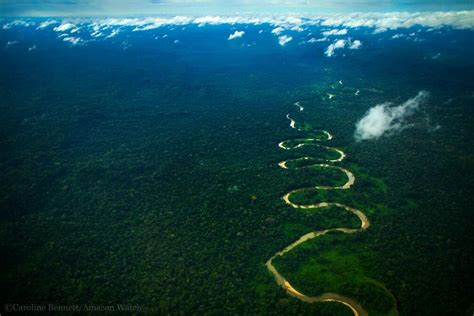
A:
{"points": [[340, 44], [314, 40], [113, 33], [384, 119], [356, 44], [277, 30], [283, 40], [398, 35], [235, 35], [73, 40], [335, 32], [11, 43], [336, 45], [45, 24], [64, 27]]}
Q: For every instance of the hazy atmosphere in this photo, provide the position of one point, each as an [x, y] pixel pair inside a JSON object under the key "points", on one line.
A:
{"points": [[206, 7]]}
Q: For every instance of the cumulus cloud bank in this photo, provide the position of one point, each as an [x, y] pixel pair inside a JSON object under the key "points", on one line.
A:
{"points": [[377, 20], [235, 35], [384, 119], [283, 27], [395, 20]]}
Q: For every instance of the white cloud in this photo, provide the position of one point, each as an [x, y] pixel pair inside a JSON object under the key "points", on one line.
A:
{"points": [[383, 119], [297, 28], [73, 40], [150, 23], [11, 43], [64, 27], [278, 30], [340, 44], [380, 22], [113, 33], [15, 23], [208, 20], [293, 20], [235, 35], [283, 40], [335, 32], [45, 24], [336, 45], [398, 35], [314, 40], [394, 20], [96, 34], [216, 20], [379, 30], [356, 44]]}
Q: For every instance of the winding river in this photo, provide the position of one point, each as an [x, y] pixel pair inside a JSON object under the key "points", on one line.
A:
{"points": [[355, 307]]}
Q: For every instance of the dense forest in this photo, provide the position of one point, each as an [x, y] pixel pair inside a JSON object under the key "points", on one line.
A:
{"points": [[164, 190]]}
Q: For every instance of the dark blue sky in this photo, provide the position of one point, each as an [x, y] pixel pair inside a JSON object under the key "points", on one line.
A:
{"points": [[226, 7]]}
